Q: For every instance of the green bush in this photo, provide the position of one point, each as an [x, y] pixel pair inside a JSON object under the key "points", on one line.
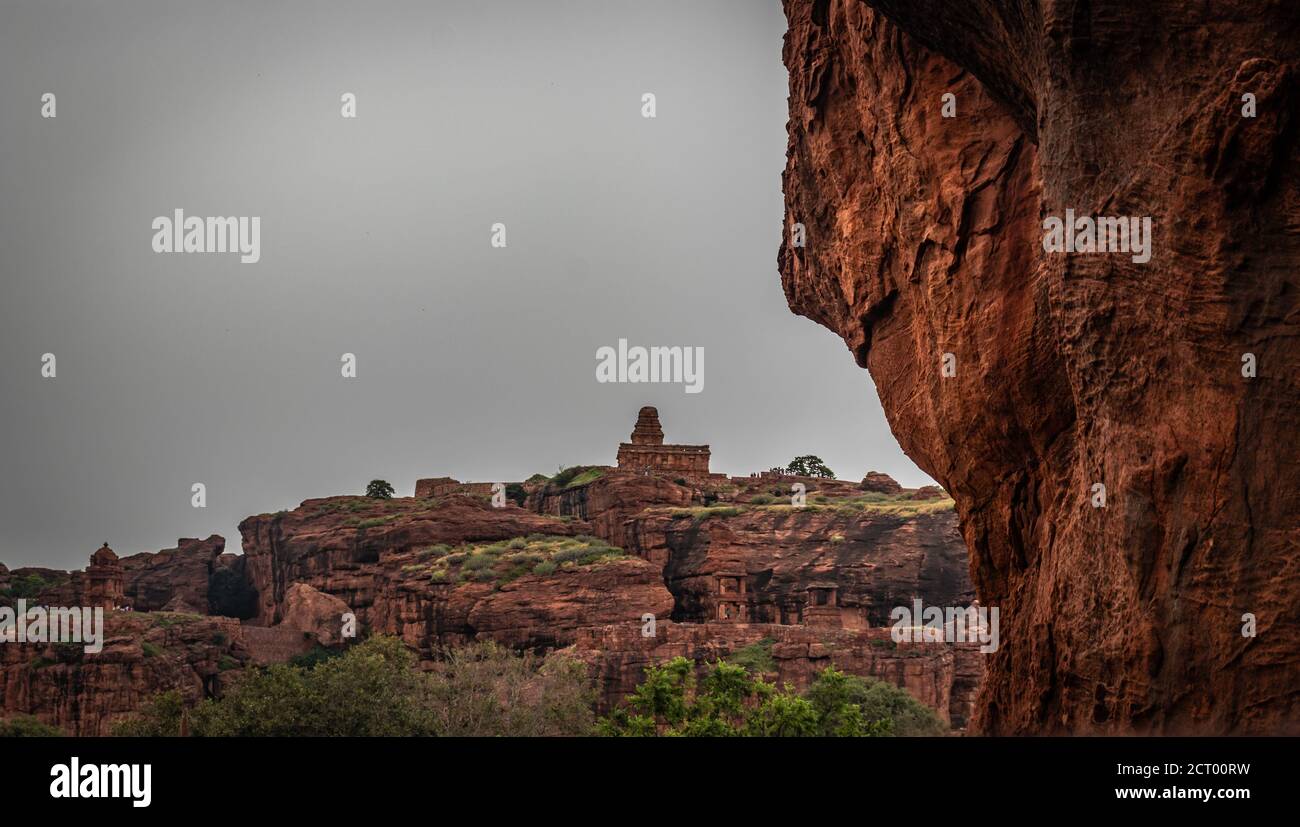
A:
{"points": [[27, 587], [516, 493], [755, 658], [160, 717], [576, 475], [375, 688], [729, 702], [26, 726], [544, 568], [569, 555], [316, 655], [380, 490], [478, 560]]}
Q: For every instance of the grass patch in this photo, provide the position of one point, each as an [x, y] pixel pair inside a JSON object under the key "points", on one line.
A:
{"points": [[436, 552], [756, 658], [704, 512], [506, 560], [866, 504], [576, 475], [169, 619]]}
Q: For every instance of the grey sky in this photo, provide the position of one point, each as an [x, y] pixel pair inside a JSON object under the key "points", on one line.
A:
{"points": [[473, 362]]}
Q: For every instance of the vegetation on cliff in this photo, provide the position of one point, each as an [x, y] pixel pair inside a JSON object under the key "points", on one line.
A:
{"points": [[376, 689], [506, 560], [732, 702], [26, 726], [575, 475]]}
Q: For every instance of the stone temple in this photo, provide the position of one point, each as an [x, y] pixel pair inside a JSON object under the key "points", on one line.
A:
{"points": [[647, 453]]}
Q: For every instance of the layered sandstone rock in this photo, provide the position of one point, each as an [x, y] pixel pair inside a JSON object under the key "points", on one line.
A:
{"points": [[924, 252], [880, 483], [175, 578], [341, 545], [533, 612], [318, 615], [377, 561], [85, 693], [828, 570], [607, 502], [831, 565]]}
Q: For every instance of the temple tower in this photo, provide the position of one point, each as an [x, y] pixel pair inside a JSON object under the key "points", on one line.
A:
{"points": [[647, 453], [648, 430]]}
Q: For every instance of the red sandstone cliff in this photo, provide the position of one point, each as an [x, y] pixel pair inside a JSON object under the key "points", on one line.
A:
{"points": [[143, 654], [174, 578], [379, 557], [446, 570], [864, 563], [924, 238]]}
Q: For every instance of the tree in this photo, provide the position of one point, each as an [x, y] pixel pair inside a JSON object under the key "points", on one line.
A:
{"points": [[160, 717], [809, 466], [26, 726], [376, 688], [839, 698], [380, 490], [730, 702], [487, 690]]}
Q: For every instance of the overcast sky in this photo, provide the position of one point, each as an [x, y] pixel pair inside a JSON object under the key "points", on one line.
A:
{"points": [[472, 361]]}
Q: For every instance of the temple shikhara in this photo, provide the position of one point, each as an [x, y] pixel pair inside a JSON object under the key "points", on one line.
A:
{"points": [[647, 453]]}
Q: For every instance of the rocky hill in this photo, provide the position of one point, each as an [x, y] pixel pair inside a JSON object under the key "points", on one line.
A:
{"points": [[722, 566]]}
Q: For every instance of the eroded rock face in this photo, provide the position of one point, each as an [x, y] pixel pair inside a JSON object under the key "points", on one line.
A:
{"points": [[319, 615], [611, 499], [143, 654], [781, 560], [880, 483], [924, 239], [337, 545], [376, 562], [174, 578]]}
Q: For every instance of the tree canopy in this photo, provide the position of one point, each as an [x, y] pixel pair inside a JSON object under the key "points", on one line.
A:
{"points": [[730, 702], [809, 466]]}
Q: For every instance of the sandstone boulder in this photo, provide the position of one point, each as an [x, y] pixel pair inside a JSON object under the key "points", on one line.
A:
{"points": [[880, 483], [314, 612]]}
